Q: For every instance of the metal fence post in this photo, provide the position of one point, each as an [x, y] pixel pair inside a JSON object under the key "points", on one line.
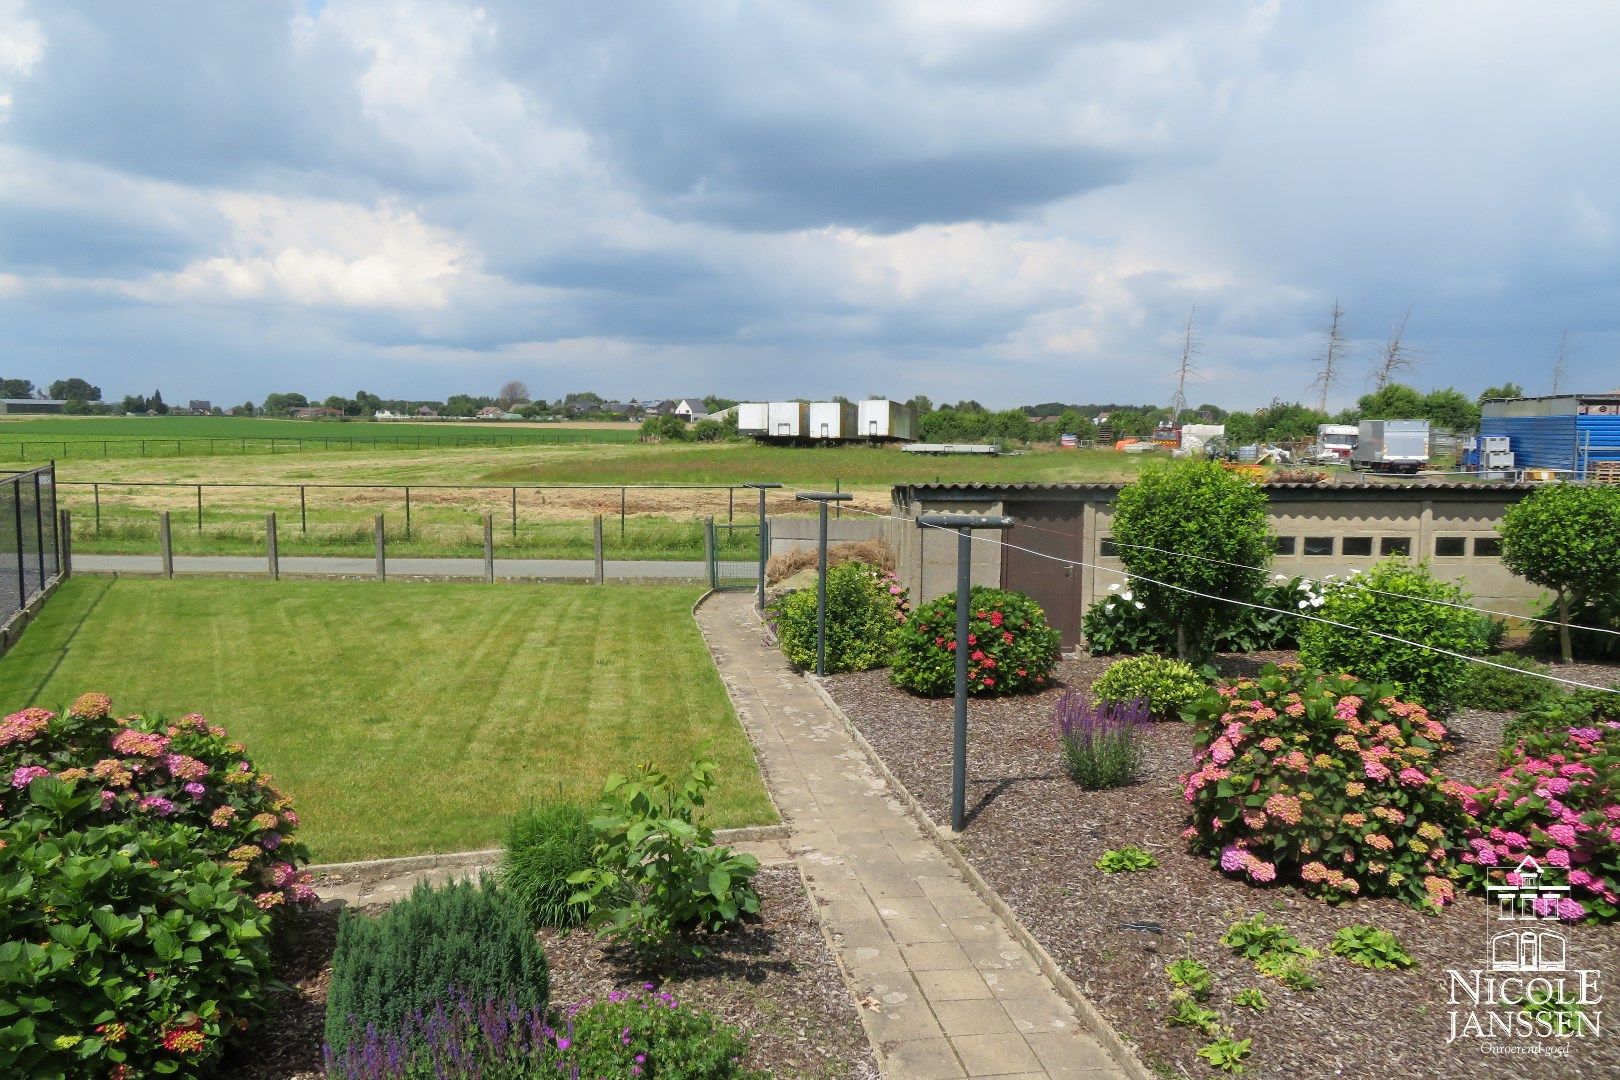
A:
{"points": [[272, 552], [64, 542], [97, 489], [764, 540], [821, 499], [601, 565], [166, 545], [199, 508], [514, 515], [407, 511], [303, 515], [710, 562], [22, 573], [382, 557], [489, 548], [39, 530], [621, 512]]}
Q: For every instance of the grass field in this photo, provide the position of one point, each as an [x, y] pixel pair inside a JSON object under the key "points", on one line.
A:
{"points": [[405, 718], [34, 440], [554, 521]]}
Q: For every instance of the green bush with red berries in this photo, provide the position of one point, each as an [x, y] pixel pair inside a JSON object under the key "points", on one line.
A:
{"points": [[1011, 649]]}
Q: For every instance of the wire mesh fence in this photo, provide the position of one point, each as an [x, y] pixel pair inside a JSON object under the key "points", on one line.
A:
{"points": [[28, 548]]}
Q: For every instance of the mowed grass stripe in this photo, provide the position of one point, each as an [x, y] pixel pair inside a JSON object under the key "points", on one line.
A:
{"points": [[407, 717]]}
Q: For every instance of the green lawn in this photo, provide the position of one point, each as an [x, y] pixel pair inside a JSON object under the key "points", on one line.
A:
{"points": [[405, 718]]}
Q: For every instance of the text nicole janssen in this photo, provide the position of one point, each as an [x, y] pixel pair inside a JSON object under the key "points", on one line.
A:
{"points": [[1492, 995]]}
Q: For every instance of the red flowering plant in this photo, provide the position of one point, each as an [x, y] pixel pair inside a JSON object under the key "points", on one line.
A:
{"points": [[1557, 800], [1324, 782], [888, 584], [185, 772], [1011, 649]]}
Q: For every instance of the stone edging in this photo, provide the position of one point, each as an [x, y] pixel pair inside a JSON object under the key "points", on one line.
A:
{"points": [[1118, 1048], [489, 856]]}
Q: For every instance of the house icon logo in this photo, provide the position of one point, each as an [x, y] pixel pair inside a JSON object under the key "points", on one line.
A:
{"points": [[1521, 915]]}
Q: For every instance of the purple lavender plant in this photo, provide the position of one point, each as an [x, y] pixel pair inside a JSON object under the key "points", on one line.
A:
{"points": [[1098, 739]]}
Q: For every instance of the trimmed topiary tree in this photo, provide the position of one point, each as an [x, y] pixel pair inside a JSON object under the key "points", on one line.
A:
{"points": [[1391, 599], [1563, 538], [1193, 508], [1011, 648]]}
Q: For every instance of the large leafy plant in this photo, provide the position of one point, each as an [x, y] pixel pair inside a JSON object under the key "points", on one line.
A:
{"points": [[863, 619], [125, 949], [1197, 528], [659, 876], [1557, 800], [1011, 649], [1121, 623], [1324, 782], [1394, 599]]}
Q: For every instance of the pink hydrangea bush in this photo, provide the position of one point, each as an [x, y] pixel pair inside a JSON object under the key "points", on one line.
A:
{"points": [[1326, 783], [1557, 800], [185, 772]]}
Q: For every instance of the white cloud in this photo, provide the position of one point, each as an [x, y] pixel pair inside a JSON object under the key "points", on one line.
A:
{"points": [[323, 254], [22, 44]]}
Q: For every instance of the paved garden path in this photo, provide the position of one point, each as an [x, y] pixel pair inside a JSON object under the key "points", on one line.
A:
{"points": [[944, 988]]}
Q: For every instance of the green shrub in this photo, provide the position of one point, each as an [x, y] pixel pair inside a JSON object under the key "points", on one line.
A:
{"points": [[650, 1034], [1193, 508], [1117, 624], [1129, 859], [544, 845], [1011, 649], [1325, 783], [659, 875], [184, 772], [1505, 691], [1371, 948], [1378, 601], [1559, 710], [1561, 537], [1167, 685], [1098, 740], [862, 622], [125, 948], [471, 936]]}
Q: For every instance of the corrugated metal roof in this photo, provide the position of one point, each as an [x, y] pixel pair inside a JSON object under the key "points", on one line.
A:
{"points": [[977, 487]]}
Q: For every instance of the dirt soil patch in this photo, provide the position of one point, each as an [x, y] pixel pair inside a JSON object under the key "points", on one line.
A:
{"points": [[775, 979], [1034, 835]]}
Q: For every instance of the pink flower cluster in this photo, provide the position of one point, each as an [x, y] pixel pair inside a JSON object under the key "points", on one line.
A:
{"points": [[23, 726]]}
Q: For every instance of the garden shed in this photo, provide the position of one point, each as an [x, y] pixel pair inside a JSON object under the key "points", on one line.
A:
{"points": [[1321, 529]]}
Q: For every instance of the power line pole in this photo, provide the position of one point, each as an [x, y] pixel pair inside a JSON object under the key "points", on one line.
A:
{"points": [[1185, 370], [1328, 377], [1558, 367]]}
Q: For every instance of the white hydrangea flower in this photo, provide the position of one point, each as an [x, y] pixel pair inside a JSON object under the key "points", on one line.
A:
{"points": [[1140, 605], [1317, 601], [1303, 604], [1114, 587], [1110, 606], [1126, 595]]}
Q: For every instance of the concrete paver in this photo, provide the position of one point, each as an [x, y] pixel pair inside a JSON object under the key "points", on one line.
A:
{"points": [[945, 989]]}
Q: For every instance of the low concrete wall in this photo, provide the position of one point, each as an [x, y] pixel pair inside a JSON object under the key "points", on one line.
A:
{"points": [[795, 533]]}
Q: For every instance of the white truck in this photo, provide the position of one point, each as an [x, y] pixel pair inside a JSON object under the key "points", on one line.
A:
{"points": [[1393, 446]]}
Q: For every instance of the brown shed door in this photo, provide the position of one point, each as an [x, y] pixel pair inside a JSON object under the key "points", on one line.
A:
{"points": [[1052, 528]]}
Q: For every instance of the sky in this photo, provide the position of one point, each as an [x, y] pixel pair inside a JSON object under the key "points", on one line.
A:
{"points": [[1014, 202]]}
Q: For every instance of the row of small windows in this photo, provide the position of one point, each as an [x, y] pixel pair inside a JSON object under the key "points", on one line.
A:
{"points": [[1445, 547]]}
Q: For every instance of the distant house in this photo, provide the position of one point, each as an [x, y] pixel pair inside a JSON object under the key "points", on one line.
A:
{"points": [[316, 412], [198, 407], [10, 406], [618, 408], [491, 412], [660, 408], [691, 408], [427, 410]]}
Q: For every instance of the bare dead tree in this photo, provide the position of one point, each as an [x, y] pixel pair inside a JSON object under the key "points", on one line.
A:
{"points": [[1328, 377], [1185, 370], [1558, 366], [512, 393], [1395, 356]]}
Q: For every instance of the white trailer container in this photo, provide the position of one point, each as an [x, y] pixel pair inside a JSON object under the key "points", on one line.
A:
{"points": [[754, 418], [789, 420], [884, 419], [1391, 446], [833, 420], [1336, 442]]}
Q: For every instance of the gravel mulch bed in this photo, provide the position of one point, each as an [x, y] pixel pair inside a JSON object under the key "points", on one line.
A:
{"points": [[775, 978], [1034, 836]]}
